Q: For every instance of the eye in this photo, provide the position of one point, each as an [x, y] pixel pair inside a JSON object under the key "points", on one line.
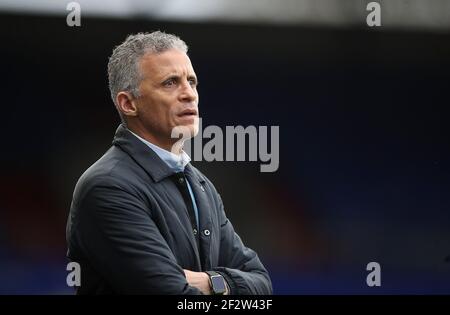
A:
{"points": [[193, 81], [169, 82]]}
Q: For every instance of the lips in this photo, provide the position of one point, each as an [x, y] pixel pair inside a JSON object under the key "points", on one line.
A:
{"points": [[188, 113]]}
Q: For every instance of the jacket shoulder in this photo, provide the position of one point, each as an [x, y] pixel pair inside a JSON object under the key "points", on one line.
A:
{"points": [[112, 169]]}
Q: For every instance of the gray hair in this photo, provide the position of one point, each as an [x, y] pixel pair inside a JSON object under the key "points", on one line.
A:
{"points": [[123, 65]]}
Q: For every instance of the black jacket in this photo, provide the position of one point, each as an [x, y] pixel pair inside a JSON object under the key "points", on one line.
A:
{"points": [[129, 228]]}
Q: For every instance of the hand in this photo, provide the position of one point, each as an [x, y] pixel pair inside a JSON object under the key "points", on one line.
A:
{"points": [[200, 280]]}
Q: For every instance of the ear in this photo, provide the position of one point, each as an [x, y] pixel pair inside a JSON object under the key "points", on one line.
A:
{"points": [[126, 104]]}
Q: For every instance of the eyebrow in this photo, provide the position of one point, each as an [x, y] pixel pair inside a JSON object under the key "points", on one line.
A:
{"points": [[177, 77]]}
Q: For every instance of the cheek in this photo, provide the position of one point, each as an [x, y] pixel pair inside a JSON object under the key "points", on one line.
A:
{"points": [[172, 113], [171, 117], [196, 96]]}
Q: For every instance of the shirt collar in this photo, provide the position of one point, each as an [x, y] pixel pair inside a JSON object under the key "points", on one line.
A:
{"points": [[174, 161]]}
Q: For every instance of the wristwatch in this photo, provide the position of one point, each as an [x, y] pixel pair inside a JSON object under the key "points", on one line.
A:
{"points": [[217, 282]]}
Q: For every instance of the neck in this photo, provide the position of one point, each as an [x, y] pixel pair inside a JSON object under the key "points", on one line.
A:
{"points": [[171, 145]]}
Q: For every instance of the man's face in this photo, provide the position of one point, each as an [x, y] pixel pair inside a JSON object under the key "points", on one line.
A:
{"points": [[169, 95]]}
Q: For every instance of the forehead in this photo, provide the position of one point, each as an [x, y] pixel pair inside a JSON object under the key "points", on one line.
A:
{"points": [[172, 61]]}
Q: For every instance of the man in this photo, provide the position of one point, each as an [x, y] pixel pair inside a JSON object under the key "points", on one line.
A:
{"points": [[143, 220]]}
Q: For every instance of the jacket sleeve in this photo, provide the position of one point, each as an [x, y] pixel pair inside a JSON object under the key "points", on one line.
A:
{"points": [[240, 265], [116, 233]]}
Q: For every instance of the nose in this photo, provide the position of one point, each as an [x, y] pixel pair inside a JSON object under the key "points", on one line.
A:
{"points": [[188, 93]]}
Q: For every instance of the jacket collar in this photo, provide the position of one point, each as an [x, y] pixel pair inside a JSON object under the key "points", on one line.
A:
{"points": [[174, 161], [142, 154], [146, 158]]}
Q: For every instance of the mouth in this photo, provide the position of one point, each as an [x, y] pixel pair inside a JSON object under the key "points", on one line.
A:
{"points": [[188, 113]]}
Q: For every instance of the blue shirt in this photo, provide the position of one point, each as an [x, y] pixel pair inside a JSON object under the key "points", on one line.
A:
{"points": [[175, 162]]}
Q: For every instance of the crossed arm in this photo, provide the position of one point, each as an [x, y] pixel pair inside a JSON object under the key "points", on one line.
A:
{"points": [[121, 242]]}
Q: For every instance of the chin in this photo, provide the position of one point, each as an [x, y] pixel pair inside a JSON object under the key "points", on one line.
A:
{"points": [[194, 129], [185, 130]]}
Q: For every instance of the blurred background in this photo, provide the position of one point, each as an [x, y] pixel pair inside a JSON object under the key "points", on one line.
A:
{"points": [[362, 111]]}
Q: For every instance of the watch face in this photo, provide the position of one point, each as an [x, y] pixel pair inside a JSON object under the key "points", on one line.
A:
{"points": [[218, 284]]}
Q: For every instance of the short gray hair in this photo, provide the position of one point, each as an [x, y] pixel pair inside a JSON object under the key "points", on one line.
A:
{"points": [[123, 65]]}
